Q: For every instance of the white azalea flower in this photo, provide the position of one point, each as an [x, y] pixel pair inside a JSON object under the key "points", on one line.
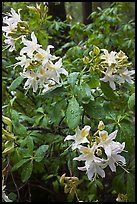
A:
{"points": [[80, 137], [109, 58], [9, 29], [44, 55], [10, 43], [54, 70], [109, 77], [24, 62], [115, 157], [31, 46], [14, 17], [11, 22], [47, 87], [125, 75], [31, 80], [106, 141], [93, 165]]}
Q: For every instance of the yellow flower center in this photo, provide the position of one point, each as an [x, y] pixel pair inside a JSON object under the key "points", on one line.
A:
{"points": [[86, 150], [51, 66], [84, 133], [42, 71], [39, 56], [104, 136]]}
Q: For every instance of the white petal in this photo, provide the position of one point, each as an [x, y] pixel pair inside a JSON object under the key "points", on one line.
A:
{"points": [[33, 37], [100, 171], [90, 174], [82, 168], [107, 149], [69, 137], [112, 85], [113, 135], [112, 165]]}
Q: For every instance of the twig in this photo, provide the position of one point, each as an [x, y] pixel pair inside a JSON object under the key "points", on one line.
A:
{"points": [[15, 185]]}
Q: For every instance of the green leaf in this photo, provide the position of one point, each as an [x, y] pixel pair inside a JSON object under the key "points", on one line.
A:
{"points": [[131, 187], [30, 144], [18, 127], [19, 164], [108, 91], [73, 113], [118, 183], [26, 171], [131, 102], [9, 146], [94, 82], [84, 93], [72, 78], [14, 116], [95, 110], [16, 83], [40, 152]]}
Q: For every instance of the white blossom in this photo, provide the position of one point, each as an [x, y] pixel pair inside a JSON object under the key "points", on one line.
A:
{"points": [[109, 58], [109, 77], [31, 46], [80, 137], [106, 141], [115, 157], [93, 165], [54, 70], [31, 80]]}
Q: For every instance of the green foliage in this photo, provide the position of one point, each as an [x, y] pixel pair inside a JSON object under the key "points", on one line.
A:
{"points": [[34, 125], [73, 113]]}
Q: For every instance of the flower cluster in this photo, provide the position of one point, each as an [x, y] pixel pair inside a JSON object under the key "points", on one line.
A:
{"points": [[115, 68], [99, 153], [38, 66], [11, 28], [37, 63]]}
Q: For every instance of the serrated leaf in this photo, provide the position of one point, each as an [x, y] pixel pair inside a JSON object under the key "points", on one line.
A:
{"points": [[16, 83], [40, 152], [19, 164], [26, 171], [131, 187], [73, 113], [131, 102]]}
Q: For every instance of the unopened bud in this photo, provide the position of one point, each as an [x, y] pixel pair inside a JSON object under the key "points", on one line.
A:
{"points": [[101, 125], [69, 17], [85, 60], [96, 50], [32, 8], [62, 178], [90, 53]]}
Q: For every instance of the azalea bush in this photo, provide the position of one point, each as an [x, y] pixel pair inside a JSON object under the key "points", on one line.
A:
{"points": [[68, 114]]}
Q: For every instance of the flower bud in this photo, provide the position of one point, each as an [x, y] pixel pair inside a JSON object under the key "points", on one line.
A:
{"points": [[85, 60], [90, 53], [101, 125], [62, 178], [96, 50]]}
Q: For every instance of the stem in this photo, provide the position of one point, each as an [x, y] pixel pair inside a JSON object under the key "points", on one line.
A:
{"points": [[77, 196]]}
